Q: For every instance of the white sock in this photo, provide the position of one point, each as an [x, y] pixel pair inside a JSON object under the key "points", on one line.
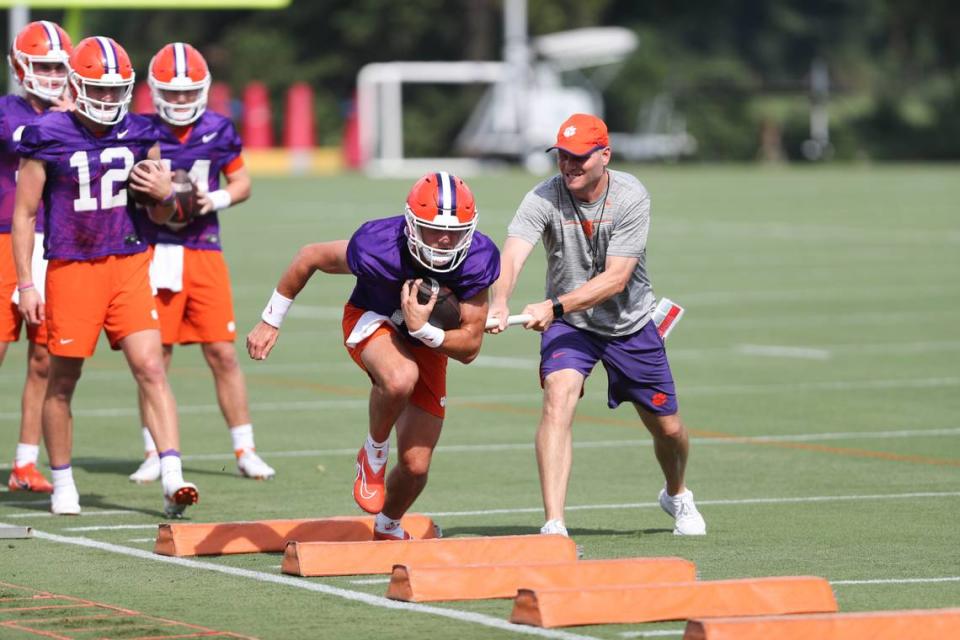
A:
{"points": [[385, 524], [171, 469], [26, 454], [376, 453], [149, 446], [242, 437], [62, 479]]}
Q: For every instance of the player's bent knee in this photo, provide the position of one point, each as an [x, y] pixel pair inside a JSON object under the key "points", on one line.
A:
{"points": [[399, 382], [416, 467], [150, 372], [666, 427]]}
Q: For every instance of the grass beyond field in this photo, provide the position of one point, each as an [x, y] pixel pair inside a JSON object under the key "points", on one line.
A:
{"points": [[816, 367]]}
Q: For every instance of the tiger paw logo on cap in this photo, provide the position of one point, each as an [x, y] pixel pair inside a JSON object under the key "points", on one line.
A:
{"points": [[582, 134]]}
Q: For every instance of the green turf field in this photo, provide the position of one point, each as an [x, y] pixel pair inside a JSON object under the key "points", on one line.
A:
{"points": [[821, 328]]}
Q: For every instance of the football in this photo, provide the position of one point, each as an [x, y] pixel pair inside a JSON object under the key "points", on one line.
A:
{"points": [[140, 197], [185, 207], [446, 313]]}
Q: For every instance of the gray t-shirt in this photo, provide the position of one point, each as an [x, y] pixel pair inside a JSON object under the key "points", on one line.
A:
{"points": [[575, 254]]}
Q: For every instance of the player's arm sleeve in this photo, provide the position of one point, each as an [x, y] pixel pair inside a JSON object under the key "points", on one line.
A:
{"points": [[231, 148], [34, 143], [629, 237], [354, 259], [530, 219], [482, 278]]}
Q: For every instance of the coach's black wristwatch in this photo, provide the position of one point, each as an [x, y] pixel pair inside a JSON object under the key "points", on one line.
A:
{"points": [[557, 307]]}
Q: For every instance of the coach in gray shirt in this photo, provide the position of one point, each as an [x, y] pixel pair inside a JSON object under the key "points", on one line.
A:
{"points": [[593, 222]]}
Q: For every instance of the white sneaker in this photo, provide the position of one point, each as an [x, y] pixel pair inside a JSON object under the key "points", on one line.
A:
{"points": [[65, 502], [177, 497], [148, 471], [250, 465], [555, 526], [687, 520]]}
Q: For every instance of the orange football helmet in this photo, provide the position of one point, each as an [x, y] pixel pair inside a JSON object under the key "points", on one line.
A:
{"points": [[179, 67], [99, 62], [41, 42], [441, 217]]}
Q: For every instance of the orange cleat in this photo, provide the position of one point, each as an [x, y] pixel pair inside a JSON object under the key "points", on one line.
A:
{"points": [[395, 534], [28, 478], [368, 489]]}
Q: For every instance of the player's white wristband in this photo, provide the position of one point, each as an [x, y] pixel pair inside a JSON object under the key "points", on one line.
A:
{"points": [[276, 309], [429, 335], [220, 199]]}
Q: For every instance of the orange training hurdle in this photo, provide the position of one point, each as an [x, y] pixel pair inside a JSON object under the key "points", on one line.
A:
{"points": [[479, 582], [915, 624], [356, 558], [681, 601], [262, 536]]}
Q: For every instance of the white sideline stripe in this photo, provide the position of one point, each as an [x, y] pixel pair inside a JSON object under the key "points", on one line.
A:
{"points": [[371, 581], [316, 312], [700, 503], [631, 505], [84, 514], [501, 362], [651, 634], [597, 444], [896, 581], [706, 390], [142, 540], [299, 583], [775, 351], [114, 527], [270, 368]]}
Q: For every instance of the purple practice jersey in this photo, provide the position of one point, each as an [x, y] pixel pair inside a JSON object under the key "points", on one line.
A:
{"points": [[209, 149], [378, 256], [15, 113], [85, 195]]}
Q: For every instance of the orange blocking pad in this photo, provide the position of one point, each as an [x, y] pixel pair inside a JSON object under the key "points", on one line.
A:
{"points": [[680, 601], [263, 536], [917, 624], [356, 558], [479, 582]]}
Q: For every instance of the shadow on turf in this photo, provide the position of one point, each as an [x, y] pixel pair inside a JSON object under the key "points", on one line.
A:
{"points": [[575, 532], [87, 501], [124, 467]]}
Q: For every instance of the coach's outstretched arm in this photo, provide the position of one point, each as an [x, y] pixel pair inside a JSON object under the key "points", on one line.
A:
{"points": [[329, 257], [512, 258]]}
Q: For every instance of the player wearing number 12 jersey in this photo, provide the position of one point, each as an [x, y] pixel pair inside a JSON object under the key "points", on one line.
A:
{"points": [[78, 164], [189, 273]]}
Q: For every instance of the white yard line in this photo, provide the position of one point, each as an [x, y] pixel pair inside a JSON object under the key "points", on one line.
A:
{"points": [[780, 351], [300, 583], [614, 507], [729, 502], [652, 634], [91, 514], [371, 581], [524, 398], [896, 581], [596, 444]]}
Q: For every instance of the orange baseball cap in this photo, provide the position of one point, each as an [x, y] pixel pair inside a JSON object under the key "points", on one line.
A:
{"points": [[582, 134]]}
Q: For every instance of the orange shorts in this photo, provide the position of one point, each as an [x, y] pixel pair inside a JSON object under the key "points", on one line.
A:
{"points": [[430, 392], [85, 296], [203, 310], [10, 319]]}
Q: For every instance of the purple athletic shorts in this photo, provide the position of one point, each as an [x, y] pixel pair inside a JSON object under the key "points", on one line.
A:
{"points": [[637, 367]]}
